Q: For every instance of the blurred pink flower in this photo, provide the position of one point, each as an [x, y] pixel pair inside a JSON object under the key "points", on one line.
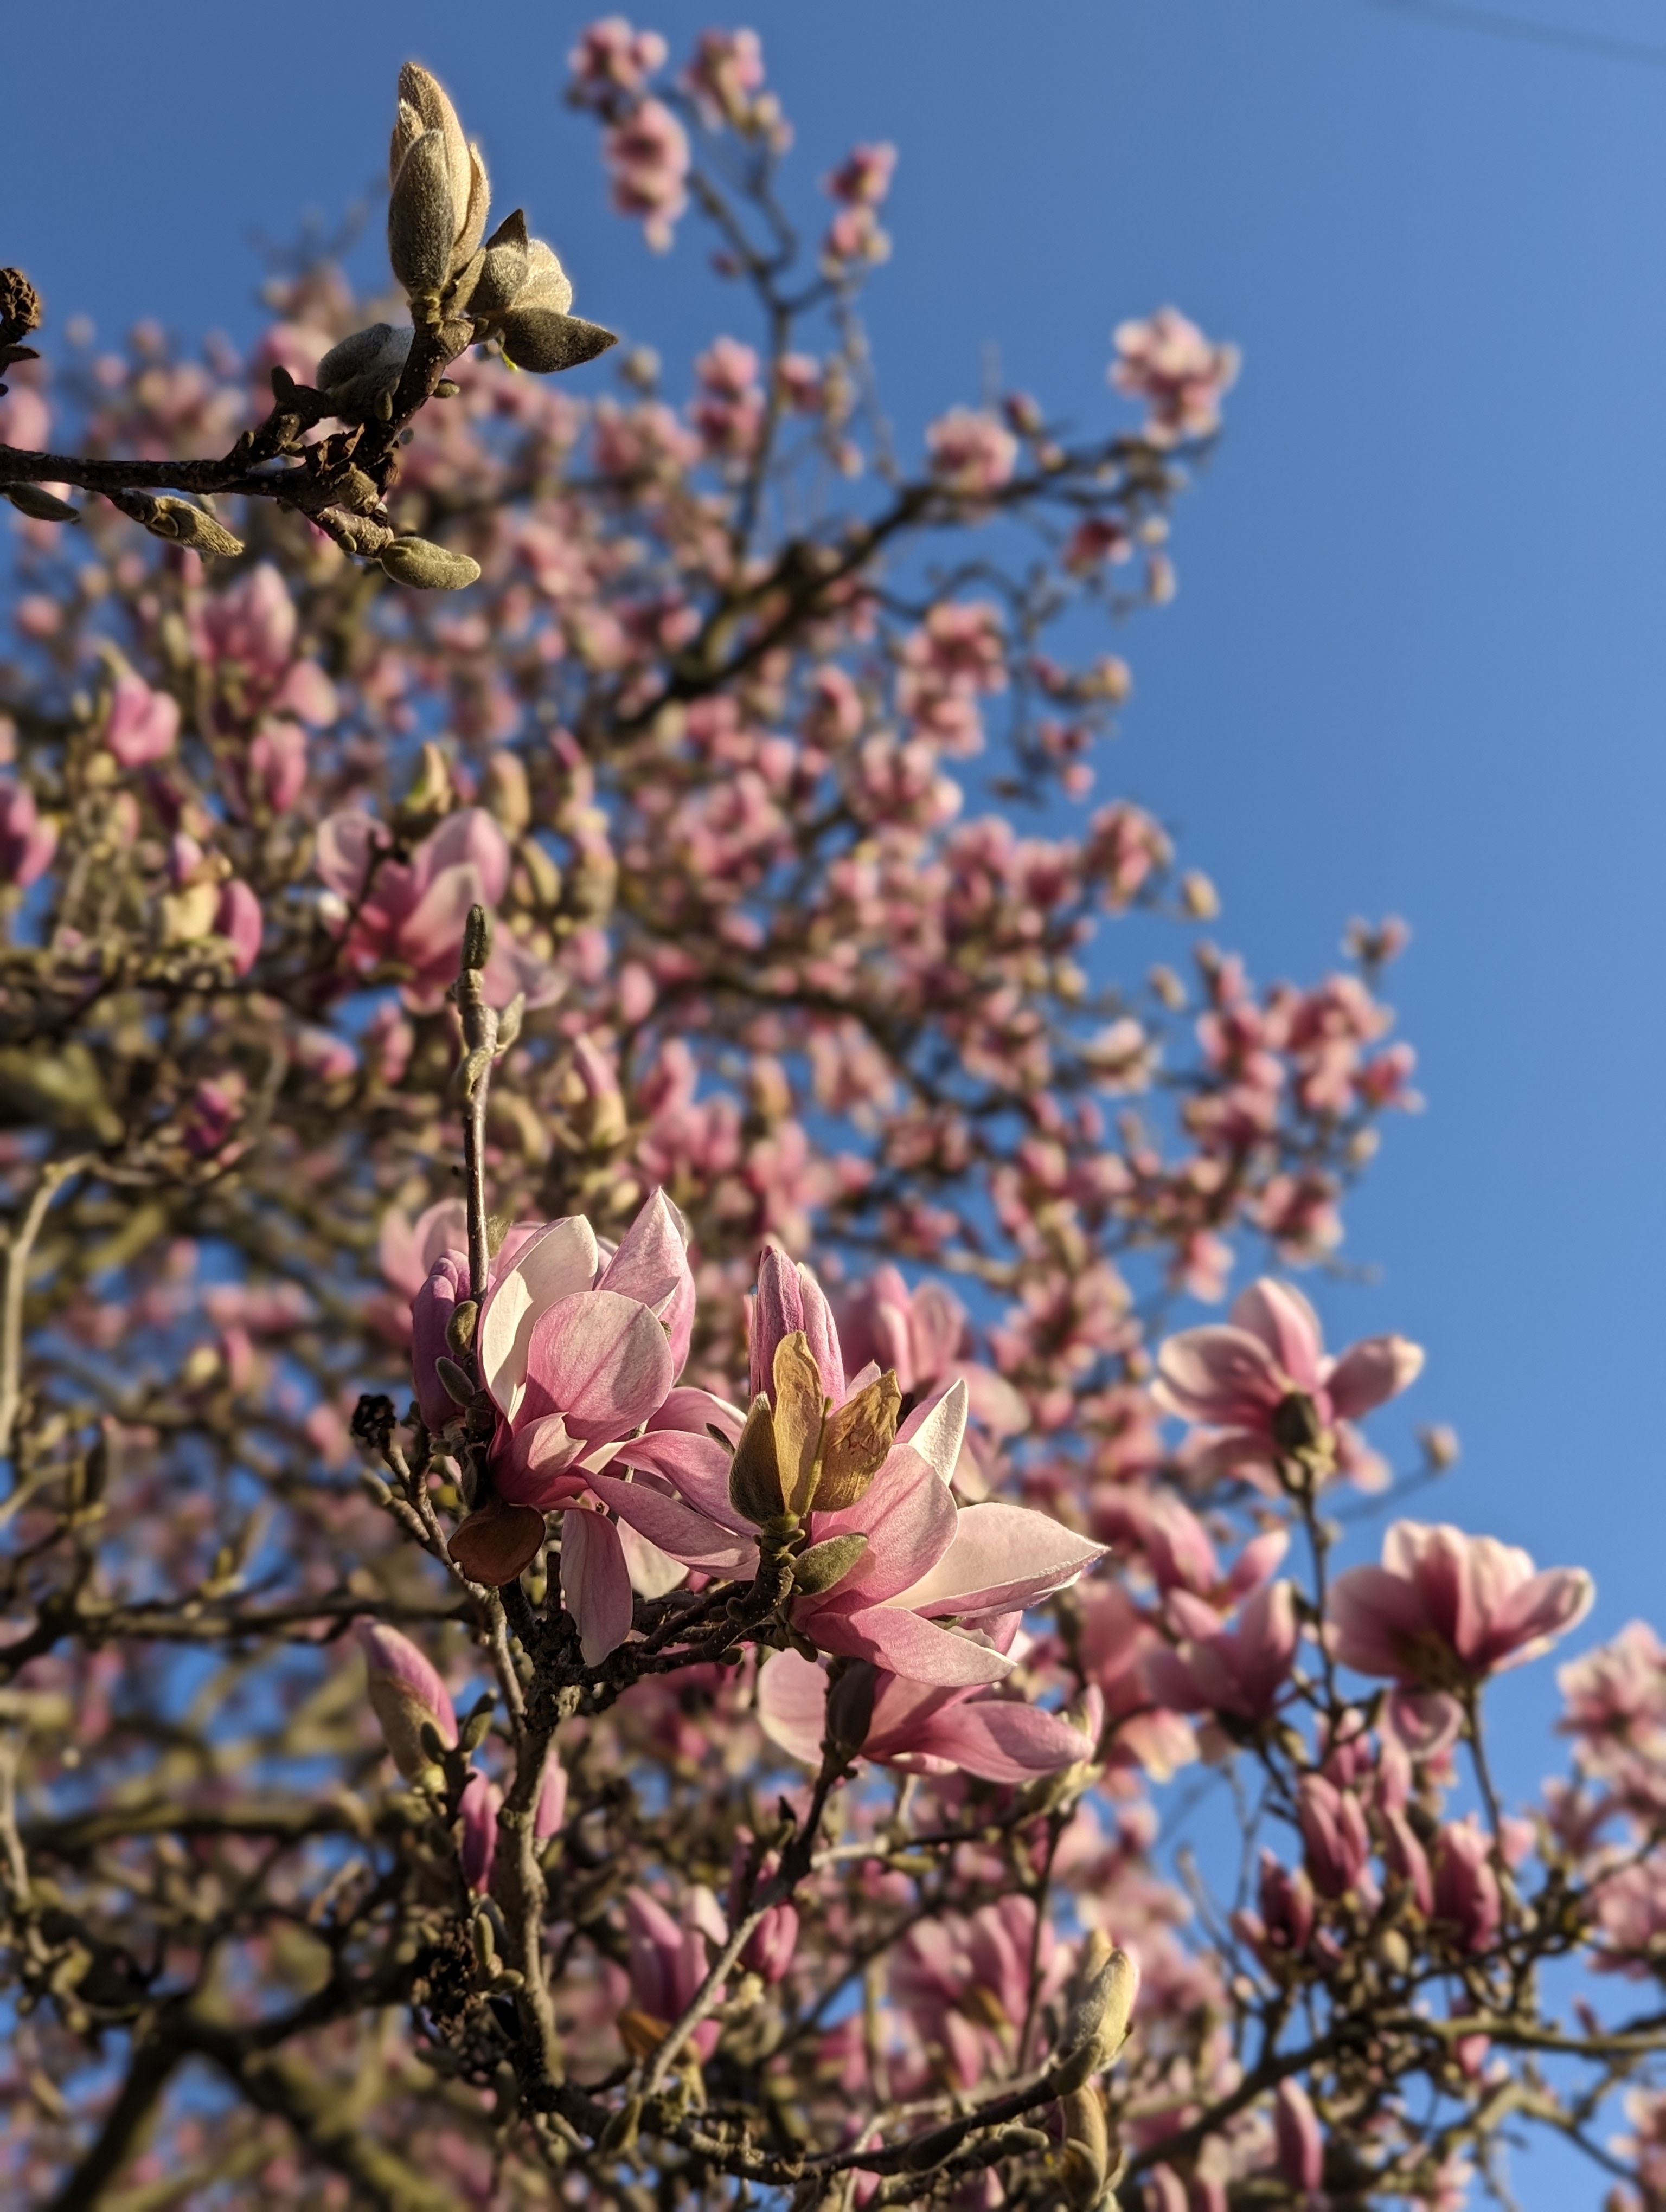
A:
{"points": [[143, 724], [1466, 1894], [668, 1961], [1181, 375], [612, 56], [27, 842], [237, 919], [1238, 1671], [409, 915], [919, 1729], [647, 155], [1238, 1377], [1445, 1610], [971, 452]]}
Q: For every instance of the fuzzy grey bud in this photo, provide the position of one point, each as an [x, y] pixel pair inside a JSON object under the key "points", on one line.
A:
{"points": [[824, 1565], [544, 340], [353, 374], [408, 128], [473, 226], [40, 506], [422, 219], [426, 568], [178, 520], [545, 283], [503, 271], [426, 94]]}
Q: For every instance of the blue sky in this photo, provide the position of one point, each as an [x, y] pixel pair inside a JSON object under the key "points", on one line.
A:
{"points": [[1416, 661]]}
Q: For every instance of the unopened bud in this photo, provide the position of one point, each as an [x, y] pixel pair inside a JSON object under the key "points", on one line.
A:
{"points": [[423, 567], [355, 374], [485, 1943], [824, 1565], [544, 284], [850, 1706], [40, 506], [754, 1473], [476, 939], [421, 218], [544, 341], [1108, 1984], [1199, 896], [503, 271], [460, 1329], [459, 1385], [1085, 2158], [185, 524]]}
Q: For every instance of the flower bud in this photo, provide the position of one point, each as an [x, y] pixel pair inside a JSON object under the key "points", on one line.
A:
{"points": [[185, 524], [1085, 2158], [422, 219], [544, 282], [407, 1697], [755, 1472], [38, 505], [544, 341], [850, 1704], [423, 566], [355, 374], [824, 1565], [478, 1843], [503, 271], [425, 94], [1108, 1985]]}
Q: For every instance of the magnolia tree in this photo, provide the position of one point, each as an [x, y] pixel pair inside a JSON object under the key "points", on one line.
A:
{"points": [[608, 1537]]}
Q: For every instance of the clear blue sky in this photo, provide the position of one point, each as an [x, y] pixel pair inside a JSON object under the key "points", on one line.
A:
{"points": [[1416, 661]]}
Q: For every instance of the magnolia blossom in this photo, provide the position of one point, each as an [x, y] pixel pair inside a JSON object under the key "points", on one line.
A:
{"points": [[1247, 1378], [668, 1963], [1179, 373], [409, 914], [971, 452], [405, 1693], [143, 723], [1445, 1610], [1231, 1671], [919, 1730], [964, 1981], [28, 840], [481, 1803]]}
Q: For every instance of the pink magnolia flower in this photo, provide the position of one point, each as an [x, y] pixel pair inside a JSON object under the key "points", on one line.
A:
{"points": [[247, 635], [481, 1802], [972, 452], [407, 1250], [238, 918], [409, 915], [964, 1979], [1445, 1610], [770, 1946], [647, 157], [612, 56], [668, 1963], [1279, 1930], [921, 1335], [1466, 1890], [1118, 1644], [1179, 373], [1296, 2130], [27, 842], [1337, 1842], [405, 1692], [1239, 1377], [143, 724], [919, 1729], [1231, 1671]]}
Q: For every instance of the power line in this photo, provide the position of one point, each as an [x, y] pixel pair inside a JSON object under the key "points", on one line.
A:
{"points": [[1525, 32]]}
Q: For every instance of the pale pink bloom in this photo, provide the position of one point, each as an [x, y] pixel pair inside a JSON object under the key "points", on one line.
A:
{"points": [[411, 918], [239, 920], [248, 633], [1237, 1377], [143, 724], [1279, 1930], [405, 1692], [724, 76], [922, 1335], [1238, 1672], [863, 178], [481, 1802], [921, 1730], [1117, 1646], [1179, 373], [276, 767], [647, 155], [1445, 1610], [1174, 1545], [27, 842], [1466, 1886], [669, 1961], [1301, 2146], [612, 56], [971, 452], [407, 1249], [964, 1981], [1337, 1842]]}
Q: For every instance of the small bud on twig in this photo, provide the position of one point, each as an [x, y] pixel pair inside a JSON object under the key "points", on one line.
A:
{"points": [[426, 568], [40, 506]]}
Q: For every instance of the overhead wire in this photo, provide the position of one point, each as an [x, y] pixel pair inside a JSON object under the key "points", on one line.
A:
{"points": [[1528, 30]]}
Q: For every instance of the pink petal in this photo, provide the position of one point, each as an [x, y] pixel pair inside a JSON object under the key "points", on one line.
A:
{"points": [[1370, 1611], [937, 1428], [1226, 1376], [560, 1259], [1286, 1324], [599, 1361], [1372, 1372], [1003, 1741], [653, 1573], [470, 839], [342, 855], [908, 1645], [677, 1529], [1001, 1555], [652, 1264], [792, 1705], [909, 1518], [595, 1586]]}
